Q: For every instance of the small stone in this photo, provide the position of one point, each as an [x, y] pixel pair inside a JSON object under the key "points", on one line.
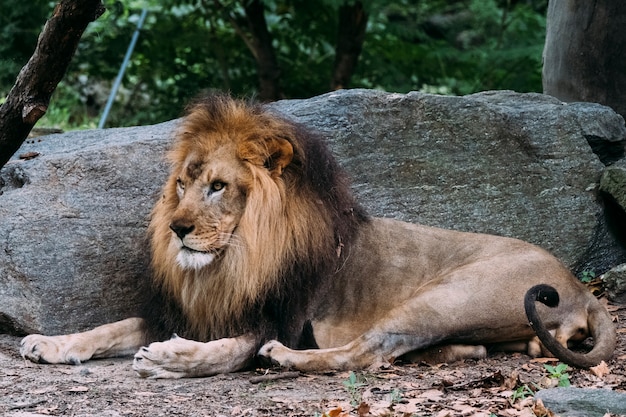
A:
{"points": [[583, 402], [615, 284]]}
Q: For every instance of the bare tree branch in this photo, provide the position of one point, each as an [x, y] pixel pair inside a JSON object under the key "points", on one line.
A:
{"points": [[259, 41], [28, 100], [267, 63], [238, 30], [350, 37]]}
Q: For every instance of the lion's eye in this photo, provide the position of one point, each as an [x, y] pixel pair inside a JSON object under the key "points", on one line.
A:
{"points": [[217, 186]]}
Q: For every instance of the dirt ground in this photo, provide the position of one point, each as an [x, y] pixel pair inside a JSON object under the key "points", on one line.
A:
{"points": [[500, 386]]}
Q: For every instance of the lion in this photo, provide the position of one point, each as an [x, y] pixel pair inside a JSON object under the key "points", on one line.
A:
{"points": [[260, 251]]}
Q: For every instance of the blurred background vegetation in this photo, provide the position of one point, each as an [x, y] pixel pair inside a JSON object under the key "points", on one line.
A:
{"points": [[436, 46]]}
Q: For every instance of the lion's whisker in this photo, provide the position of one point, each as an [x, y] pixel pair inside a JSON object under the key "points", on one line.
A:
{"points": [[231, 240]]}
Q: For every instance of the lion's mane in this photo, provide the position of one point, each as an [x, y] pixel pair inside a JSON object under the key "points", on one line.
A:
{"points": [[295, 232]]}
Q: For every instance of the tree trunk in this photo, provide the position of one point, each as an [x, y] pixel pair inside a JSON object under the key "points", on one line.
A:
{"points": [[263, 51], [28, 100], [350, 37], [584, 58]]}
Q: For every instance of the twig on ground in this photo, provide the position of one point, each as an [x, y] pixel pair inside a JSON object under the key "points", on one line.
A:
{"points": [[273, 377]]}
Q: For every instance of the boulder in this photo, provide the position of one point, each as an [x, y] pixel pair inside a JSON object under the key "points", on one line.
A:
{"points": [[73, 227], [613, 182], [613, 192], [615, 284], [74, 217]]}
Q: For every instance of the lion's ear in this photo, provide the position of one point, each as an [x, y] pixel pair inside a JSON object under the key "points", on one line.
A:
{"points": [[272, 153]]}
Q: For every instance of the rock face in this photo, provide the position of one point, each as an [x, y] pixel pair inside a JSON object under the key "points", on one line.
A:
{"points": [[615, 284], [74, 218], [73, 227], [583, 402], [613, 182]]}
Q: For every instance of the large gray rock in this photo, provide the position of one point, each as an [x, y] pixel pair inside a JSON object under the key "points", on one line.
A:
{"points": [[613, 182], [73, 218], [73, 227], [583, 402]]}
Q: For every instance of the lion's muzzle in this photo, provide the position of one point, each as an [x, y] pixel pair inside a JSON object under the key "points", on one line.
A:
{"points": [[181, 229]]}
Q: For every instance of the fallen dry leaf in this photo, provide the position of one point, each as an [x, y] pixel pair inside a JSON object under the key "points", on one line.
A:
{"points": [[544, 360], [511, 412], [336, 412], [464, 409], [511, 382], [540, 410], [409, 407], [547, 382], [433, 395], [363, 409], [600, 370]]}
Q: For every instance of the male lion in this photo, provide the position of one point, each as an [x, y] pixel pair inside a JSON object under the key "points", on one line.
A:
{"points": [[259, 249]]}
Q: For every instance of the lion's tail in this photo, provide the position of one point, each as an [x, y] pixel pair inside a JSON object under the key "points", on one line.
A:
{"points": [[600, 324]]}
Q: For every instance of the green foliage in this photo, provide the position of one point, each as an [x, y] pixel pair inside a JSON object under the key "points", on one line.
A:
{"points": [[68, 111], [455, 47], [521, 393], [440, 46], [395, 397], [558, 372], [587, 276], [354, 385], [20, 24]]}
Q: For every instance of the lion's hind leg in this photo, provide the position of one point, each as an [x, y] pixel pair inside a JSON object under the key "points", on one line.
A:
{"points": [[361, 354], [410, 327], [378, 345], [350, 356], [114, 339]]}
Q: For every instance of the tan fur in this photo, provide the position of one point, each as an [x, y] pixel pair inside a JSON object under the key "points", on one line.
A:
{"points": [[113, 339], [240, 214], [407, 288]]}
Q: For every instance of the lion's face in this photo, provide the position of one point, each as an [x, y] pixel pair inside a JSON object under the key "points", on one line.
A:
{"points": [[210, 191]]}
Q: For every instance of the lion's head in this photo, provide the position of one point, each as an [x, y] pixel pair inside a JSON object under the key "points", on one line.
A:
{"points": [[252, 206]]}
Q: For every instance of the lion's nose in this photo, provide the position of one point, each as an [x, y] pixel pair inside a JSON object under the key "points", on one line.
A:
{"points": [[181, 230]]}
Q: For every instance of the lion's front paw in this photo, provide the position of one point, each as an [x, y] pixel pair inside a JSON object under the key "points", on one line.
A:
{"points": [[276, 353], [53, 349], [170, 359]]}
